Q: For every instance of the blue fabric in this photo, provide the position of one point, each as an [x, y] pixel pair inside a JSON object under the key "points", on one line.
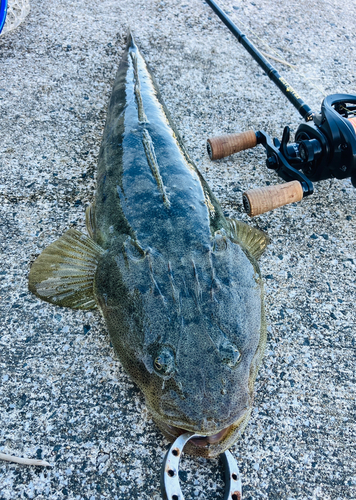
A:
{"points": [[3, 10]]}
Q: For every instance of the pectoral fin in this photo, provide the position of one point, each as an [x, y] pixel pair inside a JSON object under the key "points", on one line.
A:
{"points": [[64, 272], [254, 240]]}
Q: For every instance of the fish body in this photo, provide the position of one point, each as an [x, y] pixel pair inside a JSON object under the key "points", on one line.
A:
{"points": [[177, 283]]}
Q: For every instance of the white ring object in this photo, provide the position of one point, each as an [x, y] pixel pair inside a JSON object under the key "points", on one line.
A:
{"points": [[169, 474]]}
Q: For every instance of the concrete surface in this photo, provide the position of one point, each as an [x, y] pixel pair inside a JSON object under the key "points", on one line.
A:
{"points": [[63, 394]]}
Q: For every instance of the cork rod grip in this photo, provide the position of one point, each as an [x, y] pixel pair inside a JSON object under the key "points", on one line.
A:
{"points": [[226, 145], [261, 200]]}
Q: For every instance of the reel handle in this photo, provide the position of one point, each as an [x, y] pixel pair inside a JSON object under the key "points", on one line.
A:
{"points": [[260, 200], [226, 145]]}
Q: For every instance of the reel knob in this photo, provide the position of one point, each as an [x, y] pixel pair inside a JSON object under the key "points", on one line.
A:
{"points": [[226, 145], [260, 200]]}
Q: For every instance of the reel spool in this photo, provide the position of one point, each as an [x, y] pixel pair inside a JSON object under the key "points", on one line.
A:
{"points": [[324, 148]]}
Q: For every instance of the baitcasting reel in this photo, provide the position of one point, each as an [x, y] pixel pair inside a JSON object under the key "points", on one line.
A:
{"points": [[324, 147]]}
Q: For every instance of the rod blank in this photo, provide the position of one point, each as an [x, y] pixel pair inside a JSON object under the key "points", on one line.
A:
{"points": [[304, 110]]}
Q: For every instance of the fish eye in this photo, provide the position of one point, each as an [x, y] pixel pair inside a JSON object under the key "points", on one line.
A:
{"points": [[164, 362], [230, 354]]}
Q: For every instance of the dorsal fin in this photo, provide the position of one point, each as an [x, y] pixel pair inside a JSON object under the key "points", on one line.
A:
{"points": [[254, 240], [64, 272], [90, 220]]}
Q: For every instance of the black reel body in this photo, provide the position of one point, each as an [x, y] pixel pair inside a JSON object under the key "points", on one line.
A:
{"points": [[331, 138], [324, 147]]}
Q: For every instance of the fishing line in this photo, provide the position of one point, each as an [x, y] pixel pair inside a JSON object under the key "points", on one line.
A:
{"points": [[277, 54]]}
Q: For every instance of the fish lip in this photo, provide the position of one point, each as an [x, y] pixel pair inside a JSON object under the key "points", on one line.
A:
{"points": [[209, 428], [206, 441], [202, 441]]}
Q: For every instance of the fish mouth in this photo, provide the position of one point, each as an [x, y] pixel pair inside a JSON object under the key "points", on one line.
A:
{"points": [[199, 441], [208, 446]]}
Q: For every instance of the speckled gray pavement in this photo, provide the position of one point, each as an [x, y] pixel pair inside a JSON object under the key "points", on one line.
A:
{"points": [[64, 396]]}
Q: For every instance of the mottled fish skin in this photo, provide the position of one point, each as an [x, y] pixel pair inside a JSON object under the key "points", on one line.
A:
{"points": [[178, 283], [144, 172], [182, 301]]}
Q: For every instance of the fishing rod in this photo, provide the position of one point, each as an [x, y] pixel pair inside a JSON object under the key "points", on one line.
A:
{"points": [[324, 146]]}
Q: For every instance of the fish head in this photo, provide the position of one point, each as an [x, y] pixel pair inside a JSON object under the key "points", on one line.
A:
{"points": [[191, 335]]}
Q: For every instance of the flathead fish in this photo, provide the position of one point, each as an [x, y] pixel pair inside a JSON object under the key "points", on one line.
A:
{"points": [[177, 283]]}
